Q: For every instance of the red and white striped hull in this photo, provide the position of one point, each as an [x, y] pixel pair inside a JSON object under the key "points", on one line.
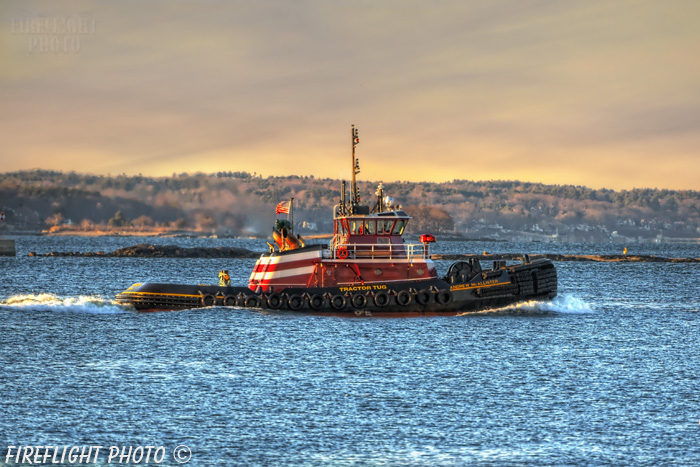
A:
{"points": [[308, 268], [284, 270]]}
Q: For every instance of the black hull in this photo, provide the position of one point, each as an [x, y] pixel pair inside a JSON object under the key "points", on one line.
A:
{"points": [[461, 291]]}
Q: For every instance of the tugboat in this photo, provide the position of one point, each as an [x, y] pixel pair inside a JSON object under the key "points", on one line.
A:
{"points": [[366, 270]]}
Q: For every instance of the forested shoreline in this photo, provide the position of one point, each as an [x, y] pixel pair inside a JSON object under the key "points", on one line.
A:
{"points": [[240, 203]]}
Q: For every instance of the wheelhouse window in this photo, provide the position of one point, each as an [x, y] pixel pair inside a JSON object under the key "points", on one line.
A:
{"points": [[384, 227], [372, 226], [400, 225]]}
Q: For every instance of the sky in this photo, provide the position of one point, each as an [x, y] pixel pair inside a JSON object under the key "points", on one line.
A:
{"points": [[600, 93]]}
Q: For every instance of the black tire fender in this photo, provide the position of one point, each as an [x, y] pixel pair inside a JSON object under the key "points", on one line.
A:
{"points": [[444, 297], [252, 301], [275, 301], [295, 302], [381, 299], [317, 302], [338, 302], [423, 296], [230, 300], [208, 299], [359, 300], [404, 298]]}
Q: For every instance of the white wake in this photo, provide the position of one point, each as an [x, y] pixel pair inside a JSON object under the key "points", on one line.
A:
{"points": [[560, 304], [51, 302]]}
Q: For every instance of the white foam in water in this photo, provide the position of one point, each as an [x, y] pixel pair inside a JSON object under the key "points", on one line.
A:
{"points": [[568, 304], [559, 304], [50, 302]]}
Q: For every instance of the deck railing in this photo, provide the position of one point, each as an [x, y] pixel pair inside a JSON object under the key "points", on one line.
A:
{"points": [[378, 251]]}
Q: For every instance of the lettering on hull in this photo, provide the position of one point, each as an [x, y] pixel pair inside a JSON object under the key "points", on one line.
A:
{"points": [[361, 288], [475, 285]]}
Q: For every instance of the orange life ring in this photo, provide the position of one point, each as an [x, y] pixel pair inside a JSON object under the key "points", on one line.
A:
{"points": [[342, 252]]}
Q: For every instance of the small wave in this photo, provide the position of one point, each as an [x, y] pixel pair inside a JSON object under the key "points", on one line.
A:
{"points": [[51, 302]]}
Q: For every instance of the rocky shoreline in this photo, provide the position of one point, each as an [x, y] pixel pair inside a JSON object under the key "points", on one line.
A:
{"points": [[145, 250], [557, 257]]}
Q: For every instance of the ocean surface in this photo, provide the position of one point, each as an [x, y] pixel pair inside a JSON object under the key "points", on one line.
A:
{"points": [[606, 374]]}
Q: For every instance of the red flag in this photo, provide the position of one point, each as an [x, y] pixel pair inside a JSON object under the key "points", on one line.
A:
{"points": [[282, 208]]}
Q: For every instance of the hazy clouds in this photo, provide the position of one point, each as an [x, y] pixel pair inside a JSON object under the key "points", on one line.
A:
{"points": [[598, 93]]}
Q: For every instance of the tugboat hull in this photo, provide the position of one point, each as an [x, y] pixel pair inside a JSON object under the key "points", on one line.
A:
{"points": [[461, 292]]}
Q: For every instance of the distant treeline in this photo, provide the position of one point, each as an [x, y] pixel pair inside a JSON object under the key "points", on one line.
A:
{"points": [[243, 203]]}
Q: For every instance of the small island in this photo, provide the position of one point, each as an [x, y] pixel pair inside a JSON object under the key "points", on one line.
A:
{"points": [[145, 250]]}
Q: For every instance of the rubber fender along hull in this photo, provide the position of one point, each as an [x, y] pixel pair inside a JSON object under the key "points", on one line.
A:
{"points": [[170, 297], [494, 288]]}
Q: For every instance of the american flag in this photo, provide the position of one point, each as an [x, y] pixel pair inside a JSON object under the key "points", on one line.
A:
{"points": [[282, 208]]}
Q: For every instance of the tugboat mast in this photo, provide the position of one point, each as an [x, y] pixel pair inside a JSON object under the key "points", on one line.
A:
{"points": [[355, 197]]}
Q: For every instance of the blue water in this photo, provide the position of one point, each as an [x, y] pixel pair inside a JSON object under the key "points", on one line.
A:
{"points": [[605, 374]]}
